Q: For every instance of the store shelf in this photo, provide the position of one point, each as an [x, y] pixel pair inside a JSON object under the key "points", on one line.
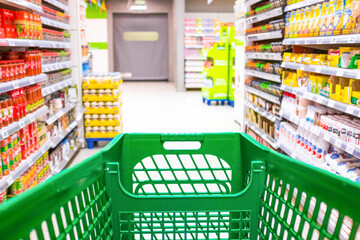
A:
{"points": [[57, 139], [23, 166], [8, 86], [62, 164], [263, 75], [341, 72], [195, 58], [201, 35], [194, 69], [286, 149], [57, 86], [57, 115], [265, 36], [58, 4], [344, 107], [251, 2], [318, 131], [202, 28], [193, 85], [262, 112], [267, 96], [264, 56], [13, 42], [302, 4], [326, 40], [53, 23], [271, 141], [56, 66], [194, 46], [16, 126], [266, 15], [24, 4]]}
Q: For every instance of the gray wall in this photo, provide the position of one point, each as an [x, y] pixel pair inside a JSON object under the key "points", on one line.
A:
{"points": [[222, 6], [154, 6]]}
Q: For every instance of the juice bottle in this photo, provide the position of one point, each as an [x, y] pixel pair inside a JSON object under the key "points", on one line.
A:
{"points": [[323, 20], [314, 31], [330, 19]]}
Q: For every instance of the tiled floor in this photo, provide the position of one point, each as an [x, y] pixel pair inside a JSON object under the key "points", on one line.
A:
{"points": [[157, 107]]}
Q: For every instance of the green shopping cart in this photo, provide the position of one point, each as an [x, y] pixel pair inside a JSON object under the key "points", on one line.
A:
{"points": [[190, 186]]}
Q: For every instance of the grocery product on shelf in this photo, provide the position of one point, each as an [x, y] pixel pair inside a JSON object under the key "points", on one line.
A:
{"points": [[200, 34], [102, 94]]}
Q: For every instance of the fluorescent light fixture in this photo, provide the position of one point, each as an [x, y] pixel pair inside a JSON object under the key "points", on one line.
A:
{"points": [[138, 7]]}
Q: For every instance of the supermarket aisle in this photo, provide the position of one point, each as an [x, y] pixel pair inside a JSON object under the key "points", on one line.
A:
{"points": [[157, 107]]}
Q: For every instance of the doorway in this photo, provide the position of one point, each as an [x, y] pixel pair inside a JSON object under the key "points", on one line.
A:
{"points": [[141, 46]]}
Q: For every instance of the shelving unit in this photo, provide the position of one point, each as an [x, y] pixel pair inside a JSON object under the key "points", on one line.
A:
{"points": [[263, 75], [60, 166], [24, 82], [58, 4], [262, 112], [52, 23], [56, 66], [264, 16], [57, 86], [13, 42], [51, 119], [262, 134], [264, 56], [325, 40], [264, 36], [264, 95], [24, 4]]}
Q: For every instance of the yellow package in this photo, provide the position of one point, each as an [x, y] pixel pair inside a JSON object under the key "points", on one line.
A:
{"points": [[356, 15], [292, 24], [287, 25], [323, 20], [297, 23], [293, 57], [301, 23], [305, 25], [349, 21], [330, 19], [307, 58], [314, 32], [312, 18], [338, 17], [299, 58], [287, 57], [290, 79]]}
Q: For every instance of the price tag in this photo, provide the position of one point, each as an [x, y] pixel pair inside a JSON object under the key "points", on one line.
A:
{"points": [[9, 180], [302, 124], [349, 148], [4, 134], [21, 124], [350, 110], [31, 43], [358, 76], [327, 137], [351, 39], [32, 118], [15, 84], [340, 72], [319, 40], [59, 114], [29, 163], [32, 80], [297, 41], [331, 103], [318, 69], [11, 42], [302, 68], [338, 143], [307, 41], [333, 40]]}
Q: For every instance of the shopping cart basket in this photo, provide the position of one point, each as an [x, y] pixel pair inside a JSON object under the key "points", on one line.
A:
{"points": [[197, 186]]}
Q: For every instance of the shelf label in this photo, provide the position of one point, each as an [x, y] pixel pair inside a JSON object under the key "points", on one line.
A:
{"points": [[331, 103], [31, 43], [15, 84], [318, 69], [11, 42], [350, 110], [302, 68], [349, 148], [340, 72], [351, 39], [297, 41], [59, 114], [316, 131], [333, 40], [302, 124], [319, 40], [21, 124], [4, 134], [307, 41], [10, 180], [338, 143], [32, 118], [327, 137], [32, 80]]}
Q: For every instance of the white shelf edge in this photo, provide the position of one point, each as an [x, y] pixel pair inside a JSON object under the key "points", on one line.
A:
{"points": [[16, 126], [54, 23], [324, 40], [14, 42], [262, 134], [301, 4], [262, 111], [266, 15], [341, 72], [27, 81], [252, 2], [265, 36], [56, 66], [263, 75], [57, 115], [57, 86], [262, 94], [26, 4], [58, 4], [265, 56]]}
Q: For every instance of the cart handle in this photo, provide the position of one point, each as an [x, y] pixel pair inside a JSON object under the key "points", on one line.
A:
{"points": [[182, 141]]}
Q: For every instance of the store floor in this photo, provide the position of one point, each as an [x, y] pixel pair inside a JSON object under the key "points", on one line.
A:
{"points": [[156, 107]]}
